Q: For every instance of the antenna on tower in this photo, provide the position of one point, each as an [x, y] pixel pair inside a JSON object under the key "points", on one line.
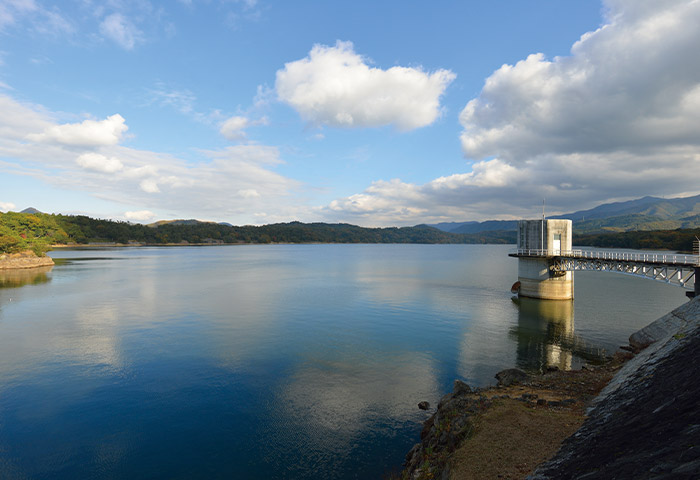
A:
{"points": [[542, 233]]}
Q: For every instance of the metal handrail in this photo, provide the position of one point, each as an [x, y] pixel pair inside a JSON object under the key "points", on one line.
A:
{"points": [[661, 258]]}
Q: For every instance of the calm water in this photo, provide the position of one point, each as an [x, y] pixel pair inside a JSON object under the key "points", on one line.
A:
{"points": [[272, 361]]}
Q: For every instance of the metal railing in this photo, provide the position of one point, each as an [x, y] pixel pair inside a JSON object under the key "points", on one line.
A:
{"points": [[651, 258]]}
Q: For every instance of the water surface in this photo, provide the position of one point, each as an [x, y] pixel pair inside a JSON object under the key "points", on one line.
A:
{"points": [[275, 361]]}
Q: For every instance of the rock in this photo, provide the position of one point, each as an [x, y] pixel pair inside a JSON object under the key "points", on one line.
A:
{"points": [[541, 401], [689, 468], [510, 376], [24, 260], [461, 388], [411, 454], [445, 400], [424, 405], [425, 432], [664, 326], [633, 429]]}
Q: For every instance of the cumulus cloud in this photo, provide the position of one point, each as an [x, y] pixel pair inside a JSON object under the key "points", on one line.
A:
{"points": [[99, 163], [631, 85], [139, 216], [238, 184], [233, 128], [335, 86], [616, 119], [463, 195], [7, 206], [90, 133], [120, 30]]}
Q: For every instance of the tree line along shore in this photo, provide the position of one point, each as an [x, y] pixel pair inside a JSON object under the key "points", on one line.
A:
{"points": [[38, 232]]}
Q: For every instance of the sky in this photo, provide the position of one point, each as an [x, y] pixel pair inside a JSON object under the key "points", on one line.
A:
{"points": [[371, 113]]}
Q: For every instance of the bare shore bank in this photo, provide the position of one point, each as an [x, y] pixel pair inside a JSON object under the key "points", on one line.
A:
{"points": [[23, 260], [634, 417]]}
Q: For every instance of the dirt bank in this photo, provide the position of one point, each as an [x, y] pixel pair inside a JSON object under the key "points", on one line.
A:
{"points": [[12, 261], [507, 430], [638, 416]]}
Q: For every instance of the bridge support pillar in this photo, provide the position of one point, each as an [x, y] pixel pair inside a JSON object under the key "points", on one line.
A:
{"points": [[696, 290], [548, 238]]}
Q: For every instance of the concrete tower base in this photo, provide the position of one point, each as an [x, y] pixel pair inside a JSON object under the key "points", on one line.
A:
{"points": [[539, 243], [537, 280]]}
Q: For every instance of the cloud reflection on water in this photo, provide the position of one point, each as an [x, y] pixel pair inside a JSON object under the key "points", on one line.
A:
{"points": [[333, 401]]}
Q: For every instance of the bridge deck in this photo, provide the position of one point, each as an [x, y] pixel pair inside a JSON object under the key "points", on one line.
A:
{"points": [[669, 259], [675, 269]]}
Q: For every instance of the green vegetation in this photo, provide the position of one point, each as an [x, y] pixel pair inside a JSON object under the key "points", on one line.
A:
{"points": [[680, 240], [24, 231], [635, 222], [20, 231], [38, 231]]}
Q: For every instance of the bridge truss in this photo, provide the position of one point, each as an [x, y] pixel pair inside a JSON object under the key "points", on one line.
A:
{"points": [[674, 269]]}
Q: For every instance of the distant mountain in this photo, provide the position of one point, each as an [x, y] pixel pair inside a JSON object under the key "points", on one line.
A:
{"points": [[191, 221], [488, 226], [31, 210], [647, 213], [662, 208], [644, 214], [476, 227], [450, 226]]}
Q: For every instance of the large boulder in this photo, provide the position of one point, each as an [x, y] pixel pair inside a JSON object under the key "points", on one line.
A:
{"points": [[510, 376]]}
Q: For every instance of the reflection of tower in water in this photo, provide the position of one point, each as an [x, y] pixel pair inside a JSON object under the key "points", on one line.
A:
{"points": [[544, 334]]}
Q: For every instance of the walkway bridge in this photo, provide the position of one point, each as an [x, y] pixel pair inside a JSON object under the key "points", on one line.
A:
{"points": [[674, 269], [547, 261]]}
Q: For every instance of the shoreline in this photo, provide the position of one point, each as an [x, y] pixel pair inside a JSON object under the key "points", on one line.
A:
{"points": [[480, 433], [24, 260], [538, 426]]}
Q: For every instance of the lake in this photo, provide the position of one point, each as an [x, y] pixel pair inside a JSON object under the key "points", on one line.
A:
{"points": [[272, 361]]}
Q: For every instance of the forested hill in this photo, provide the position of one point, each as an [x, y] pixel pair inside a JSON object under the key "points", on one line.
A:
{"points": [[21, 231]]}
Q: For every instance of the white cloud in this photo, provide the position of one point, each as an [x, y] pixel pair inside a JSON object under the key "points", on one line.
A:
{"points": [[11, 9], [42, 20], [90, 133], [334, 86], [181, 99], [139, 216], [120, 30], [233, 128], [248, 193], [99, 163], [617, 119], [495, 189], [7, 206], [233, 184], [632, 85], [149, 186]]}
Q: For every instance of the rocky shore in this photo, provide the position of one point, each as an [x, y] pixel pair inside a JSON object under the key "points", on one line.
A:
{"points": [[644, 424], [28, 259]]}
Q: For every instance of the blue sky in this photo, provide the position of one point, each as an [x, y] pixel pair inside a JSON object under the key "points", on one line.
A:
{"points": [[372, 113]]}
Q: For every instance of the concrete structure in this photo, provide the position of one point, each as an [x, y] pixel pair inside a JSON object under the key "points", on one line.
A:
{"points": [[546, 262], [541, 241]]}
